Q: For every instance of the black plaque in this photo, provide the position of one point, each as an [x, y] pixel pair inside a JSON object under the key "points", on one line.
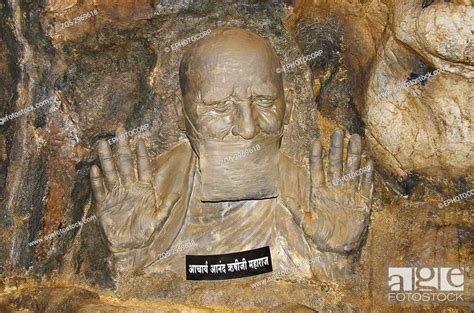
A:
{"points": [[229, 266]]}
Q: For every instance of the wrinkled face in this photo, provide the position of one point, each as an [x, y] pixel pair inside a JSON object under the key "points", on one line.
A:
{"points": [[231, 89]]}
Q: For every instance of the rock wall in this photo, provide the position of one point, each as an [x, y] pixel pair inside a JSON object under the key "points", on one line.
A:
{"points": [[113, 67]]}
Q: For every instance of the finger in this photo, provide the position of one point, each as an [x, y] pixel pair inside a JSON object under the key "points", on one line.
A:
{"points": [[316, 167], [143, 163], [367, 182], [108, 166], [124, 158], [335, 155], [353, 161], [97, 184]]}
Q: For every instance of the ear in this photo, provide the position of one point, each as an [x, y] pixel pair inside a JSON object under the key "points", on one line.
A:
{"points": [[288, 105], [179, 111]]}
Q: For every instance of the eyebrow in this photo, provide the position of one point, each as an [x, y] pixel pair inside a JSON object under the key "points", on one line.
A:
{"points": [[257, 97], [265, 97], [216, 101]]}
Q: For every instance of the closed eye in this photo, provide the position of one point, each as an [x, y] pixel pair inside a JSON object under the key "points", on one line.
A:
{"points": [[221, 107], [265, 103]]}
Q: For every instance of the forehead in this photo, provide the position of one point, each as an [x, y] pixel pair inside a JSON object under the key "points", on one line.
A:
{"points": [[220, 86], [233, 62]]}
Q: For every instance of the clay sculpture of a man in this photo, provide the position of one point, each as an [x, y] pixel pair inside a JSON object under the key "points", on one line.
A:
{"points": [[228, 187]]}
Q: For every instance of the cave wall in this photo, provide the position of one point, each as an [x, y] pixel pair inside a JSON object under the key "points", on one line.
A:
{"points": [[113, 69]]}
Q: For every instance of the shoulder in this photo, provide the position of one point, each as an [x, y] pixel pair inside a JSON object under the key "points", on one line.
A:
{"points": [[174, 167], [294, 181], [180, 152]]}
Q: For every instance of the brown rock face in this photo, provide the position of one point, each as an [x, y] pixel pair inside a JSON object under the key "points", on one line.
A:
{"points": [[426, 127], [398, 73]]}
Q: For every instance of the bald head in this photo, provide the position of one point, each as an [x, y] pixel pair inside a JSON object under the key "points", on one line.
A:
{"points": [[230, 60]]}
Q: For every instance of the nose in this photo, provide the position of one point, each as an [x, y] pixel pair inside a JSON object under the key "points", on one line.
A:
{"points": [[245, 125]]}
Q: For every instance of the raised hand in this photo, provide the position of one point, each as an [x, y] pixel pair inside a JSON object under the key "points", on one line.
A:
{"points": [[127, 207], [340, 202]]}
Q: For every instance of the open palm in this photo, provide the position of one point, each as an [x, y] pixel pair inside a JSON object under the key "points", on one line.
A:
{"points": [[341, 201], [128, 209]]}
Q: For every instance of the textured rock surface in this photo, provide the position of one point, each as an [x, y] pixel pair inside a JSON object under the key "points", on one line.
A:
{"points": [[430, 123], [113, 68]]}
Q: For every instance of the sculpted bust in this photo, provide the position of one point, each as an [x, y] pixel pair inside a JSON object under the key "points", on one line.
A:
{"points": [[230, 188]]}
